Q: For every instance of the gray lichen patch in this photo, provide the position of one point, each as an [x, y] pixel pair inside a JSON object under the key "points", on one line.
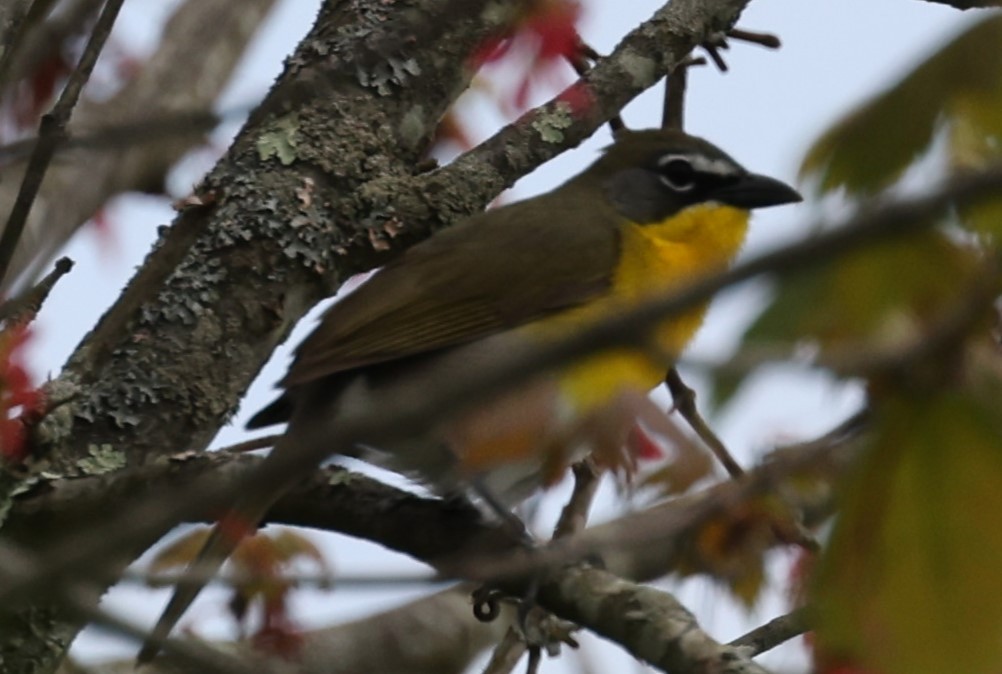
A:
{"points": [[102, 459], [643, 71], [413, 126], [394, 71], [551, 125]]}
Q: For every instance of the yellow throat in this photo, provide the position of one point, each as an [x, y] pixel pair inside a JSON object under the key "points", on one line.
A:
{"points": [[654, 259]]}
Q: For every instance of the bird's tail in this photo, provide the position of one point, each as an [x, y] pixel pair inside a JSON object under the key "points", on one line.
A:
{"points": [[226, 535]]}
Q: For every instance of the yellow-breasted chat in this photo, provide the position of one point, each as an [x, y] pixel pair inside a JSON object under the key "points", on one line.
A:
{"points": [[658, 209]]}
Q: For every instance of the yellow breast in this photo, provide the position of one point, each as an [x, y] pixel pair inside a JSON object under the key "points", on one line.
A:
{"points": [[654, 259]]}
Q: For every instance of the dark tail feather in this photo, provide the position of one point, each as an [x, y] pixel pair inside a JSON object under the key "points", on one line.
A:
{"points": [[277, 412]]}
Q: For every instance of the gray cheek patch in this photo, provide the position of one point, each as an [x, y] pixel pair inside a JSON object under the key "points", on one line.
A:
{"points": [[637, 195]]}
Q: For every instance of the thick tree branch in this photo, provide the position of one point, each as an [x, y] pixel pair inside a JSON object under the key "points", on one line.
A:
{"points": [[652, 625], [642, 546], [639, 61]]}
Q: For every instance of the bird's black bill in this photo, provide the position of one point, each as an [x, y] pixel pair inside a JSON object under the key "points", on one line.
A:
{"points": [[756, 191]]}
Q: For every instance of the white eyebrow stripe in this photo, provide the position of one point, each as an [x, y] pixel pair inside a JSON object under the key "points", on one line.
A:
{"points": [[720, 167], [702, 164]]}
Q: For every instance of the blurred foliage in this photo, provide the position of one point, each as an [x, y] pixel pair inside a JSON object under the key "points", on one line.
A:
{"points": [[262, 564], [878, 299], [887, 296], [959, 87], [911, 578], [731, 546]]}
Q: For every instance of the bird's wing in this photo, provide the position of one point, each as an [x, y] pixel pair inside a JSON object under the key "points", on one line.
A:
{"points": [[530, 261]]}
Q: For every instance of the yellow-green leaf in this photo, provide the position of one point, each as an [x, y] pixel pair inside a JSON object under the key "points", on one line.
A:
{"points": [[960, 85], [912, 578], [882, 297], [181, 552]]}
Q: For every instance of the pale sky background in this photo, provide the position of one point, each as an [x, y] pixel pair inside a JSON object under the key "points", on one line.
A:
{"points": [[764, 112]]}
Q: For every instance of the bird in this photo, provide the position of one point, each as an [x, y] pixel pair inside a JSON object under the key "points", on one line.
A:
{"points": [[658, 209]]}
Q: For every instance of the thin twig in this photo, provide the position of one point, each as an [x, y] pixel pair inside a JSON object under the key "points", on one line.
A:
{"points": [[767, 40], [685, 402], [24, 307], [507, 653], [579, 60], [51, 132], [773, 633], [574, 516], [198, 576], [673, 109], [684, 399], [253, 444], [712, 49]]}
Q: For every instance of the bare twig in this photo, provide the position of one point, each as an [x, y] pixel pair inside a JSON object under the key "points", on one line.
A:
{"points": [[574, 516], [673, 110], [25, 306], [773, 633], [51, 133], [767, 40], [969, 4], [685, 402], [321, 580], [507, 653], [202, 39], [254, 444], [580, 62], [684, 399], [712, 46]]}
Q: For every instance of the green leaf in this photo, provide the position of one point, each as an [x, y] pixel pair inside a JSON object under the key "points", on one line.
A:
{"points": [[960, 85], [912, 578], [883, 296]]}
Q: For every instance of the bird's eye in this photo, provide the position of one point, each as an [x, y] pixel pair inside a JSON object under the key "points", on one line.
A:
{"points": [[677, 173]]}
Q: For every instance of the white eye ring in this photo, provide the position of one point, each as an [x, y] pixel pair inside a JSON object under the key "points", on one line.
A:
{"points": [[677, 173]]}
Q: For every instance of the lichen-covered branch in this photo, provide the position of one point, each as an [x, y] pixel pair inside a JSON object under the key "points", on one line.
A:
{"points": [[649, 623]]}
